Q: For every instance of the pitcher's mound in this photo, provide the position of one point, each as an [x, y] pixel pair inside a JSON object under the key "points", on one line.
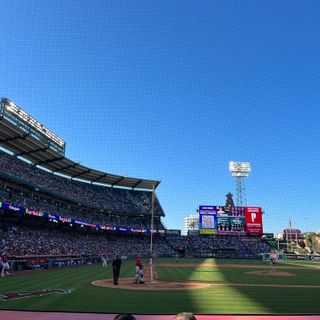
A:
{"points": [[272, 273], [127, 283]]}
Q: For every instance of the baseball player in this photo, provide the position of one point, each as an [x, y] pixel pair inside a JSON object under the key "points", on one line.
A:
{"points": [[104, 261], [273, 264], [138, 278], [138, 263], [150, 259], [5, 265]]}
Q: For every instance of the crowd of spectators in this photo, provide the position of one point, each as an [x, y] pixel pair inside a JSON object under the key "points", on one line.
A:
{"points": [[103, 219], [118, 200], [20, 240], [219, 246]]}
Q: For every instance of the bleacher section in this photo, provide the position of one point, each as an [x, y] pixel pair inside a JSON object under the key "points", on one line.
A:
{"points": [[105, 199], [219, 246], [22, 240]]}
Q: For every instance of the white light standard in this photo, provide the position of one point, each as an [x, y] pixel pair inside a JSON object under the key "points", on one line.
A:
{"points": [[240, 170]]}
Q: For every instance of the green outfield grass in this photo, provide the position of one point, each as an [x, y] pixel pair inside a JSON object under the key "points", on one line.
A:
{"points": [[237, 275], [214, 299], [302, 263]]}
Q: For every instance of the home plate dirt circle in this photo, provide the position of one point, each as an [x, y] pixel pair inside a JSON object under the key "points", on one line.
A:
{"points": [[272, 273], [127, 283]]}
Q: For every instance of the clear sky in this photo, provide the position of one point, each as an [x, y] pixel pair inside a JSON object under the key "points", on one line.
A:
{"points": [[174, 90]]}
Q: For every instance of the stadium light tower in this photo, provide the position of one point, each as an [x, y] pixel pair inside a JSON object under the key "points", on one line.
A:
{"points": [[240, 170]]}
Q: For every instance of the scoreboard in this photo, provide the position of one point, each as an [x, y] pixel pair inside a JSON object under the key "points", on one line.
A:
{"points": [[236, 221]]}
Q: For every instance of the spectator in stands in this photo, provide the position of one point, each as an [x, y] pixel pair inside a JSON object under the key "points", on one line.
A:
{"points": [[185, 316], [124, 316]]}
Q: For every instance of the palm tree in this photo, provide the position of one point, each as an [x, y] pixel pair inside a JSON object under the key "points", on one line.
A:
{"points": [[194, 225], [312, 241]]}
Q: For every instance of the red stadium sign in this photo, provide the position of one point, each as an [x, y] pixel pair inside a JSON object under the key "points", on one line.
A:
{"points": [[253, 220]]}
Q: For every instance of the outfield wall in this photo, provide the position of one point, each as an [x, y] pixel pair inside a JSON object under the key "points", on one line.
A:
{"points": [[290, 256]]}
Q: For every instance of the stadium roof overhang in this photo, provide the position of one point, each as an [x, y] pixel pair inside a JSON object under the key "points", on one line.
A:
{"points": [[27, 146]]}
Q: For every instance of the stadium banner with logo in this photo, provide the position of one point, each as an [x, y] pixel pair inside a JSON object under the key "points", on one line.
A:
{"points": [[9, 206], [231, 221], [253, 220], [207, 220], [35, 213], [57, 218]]}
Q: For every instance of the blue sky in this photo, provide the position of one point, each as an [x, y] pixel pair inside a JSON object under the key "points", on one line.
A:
{"points": [[174, 90]]}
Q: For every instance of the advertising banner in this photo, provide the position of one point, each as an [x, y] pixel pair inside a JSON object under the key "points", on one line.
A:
{"points": [[35, 213], [207, 209], [253, 220], [208, 224], [207, 220], [9, 206]]}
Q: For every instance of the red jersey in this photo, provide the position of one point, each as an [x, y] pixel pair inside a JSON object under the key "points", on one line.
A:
{"points": [[4, 259], [138, 261]]}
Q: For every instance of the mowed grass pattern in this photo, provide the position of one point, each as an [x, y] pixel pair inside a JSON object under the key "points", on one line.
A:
{"points": [[223, 299], [237, 275]]}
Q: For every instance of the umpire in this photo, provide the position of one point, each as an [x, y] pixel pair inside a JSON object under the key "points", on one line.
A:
{"points": [[116, 265]]}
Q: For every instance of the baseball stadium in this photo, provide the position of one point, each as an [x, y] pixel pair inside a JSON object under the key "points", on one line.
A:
{"points": [[81, 243]]}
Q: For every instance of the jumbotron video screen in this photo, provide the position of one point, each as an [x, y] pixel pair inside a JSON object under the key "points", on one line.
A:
{"points": [[220, 220]]}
